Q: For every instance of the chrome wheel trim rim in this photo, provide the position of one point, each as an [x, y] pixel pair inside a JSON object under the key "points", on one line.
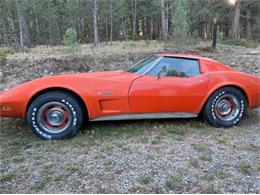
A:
{"points": [[227, 107], [54, 117]]}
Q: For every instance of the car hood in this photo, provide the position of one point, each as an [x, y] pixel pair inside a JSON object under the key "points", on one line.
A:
{"points": [[105, 75]]}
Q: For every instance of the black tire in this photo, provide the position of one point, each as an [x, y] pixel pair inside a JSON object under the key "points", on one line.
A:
{"points": [[219, 111], [55, 115]]}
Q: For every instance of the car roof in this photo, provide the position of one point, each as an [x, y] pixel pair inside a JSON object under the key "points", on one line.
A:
{"points": [[190, 56]]}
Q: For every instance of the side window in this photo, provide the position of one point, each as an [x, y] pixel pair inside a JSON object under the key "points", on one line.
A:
{"points": [[176, 67]]}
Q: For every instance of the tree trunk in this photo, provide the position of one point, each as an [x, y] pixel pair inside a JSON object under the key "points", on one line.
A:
{"points": [[156, 27], [248, 24], [63, 26], [235, 26], [214, 34], [151, 27], [50, 34], [25, 39], [82, 28], [167, 19], [163, 26], [12, 37], [36, 21], [134, 19], [143, 27], [111, 20], [50, 31], [79, 27], [124, 30], [95, 22]]}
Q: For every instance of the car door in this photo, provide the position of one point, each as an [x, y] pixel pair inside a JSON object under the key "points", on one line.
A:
{"points": [[179, 89]]}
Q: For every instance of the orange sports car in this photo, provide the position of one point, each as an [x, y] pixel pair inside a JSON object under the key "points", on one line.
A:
{"points": [[160, 86]]}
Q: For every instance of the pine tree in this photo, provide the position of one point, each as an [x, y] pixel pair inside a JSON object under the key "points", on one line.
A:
{"points": [[179, 22], [95, 27], [34, 22], [25, 37], [235, 27]]}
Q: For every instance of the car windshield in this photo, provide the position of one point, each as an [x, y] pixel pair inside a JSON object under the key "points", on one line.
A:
{"points": [[143, 65]]}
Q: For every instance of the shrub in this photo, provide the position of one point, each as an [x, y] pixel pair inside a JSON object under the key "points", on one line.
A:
{"points": [[70, 41], [4, 51], [238, 42], [245, 168]]}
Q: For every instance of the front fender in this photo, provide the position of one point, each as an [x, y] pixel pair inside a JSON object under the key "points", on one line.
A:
{"points": [[14, 102]]}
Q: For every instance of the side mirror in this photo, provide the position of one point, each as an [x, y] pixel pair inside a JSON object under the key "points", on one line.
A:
{"points": [[163, 70]]}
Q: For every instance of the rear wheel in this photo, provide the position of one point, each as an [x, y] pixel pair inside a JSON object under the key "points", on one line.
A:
{"points": [[225, 107], [55, 115]]}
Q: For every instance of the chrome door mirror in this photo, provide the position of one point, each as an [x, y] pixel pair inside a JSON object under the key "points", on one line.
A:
{"points": [[163, 70]]}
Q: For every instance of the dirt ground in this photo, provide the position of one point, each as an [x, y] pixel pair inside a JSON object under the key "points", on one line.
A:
{"points": [[150, 156]]}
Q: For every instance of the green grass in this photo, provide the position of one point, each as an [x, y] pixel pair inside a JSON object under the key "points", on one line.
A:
{"points": [[198, 125], [96, 134], [38, 186], [245, 168], [53, 177], [125, 148], [97, 156], [18, 159], [145, 179], [199, 147], [50, 175], [72, 168], [156, 140], [48, 167], [258, 167], [174, 134], [15, 148], [206, 158], [8, 177], [171, 131], [177, 137], [217, 174], [173, 182], [112, 131], [109, 163], [143, 140], [210, 177], [107, 147]]}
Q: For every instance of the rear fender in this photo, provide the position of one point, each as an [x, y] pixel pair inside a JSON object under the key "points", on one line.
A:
{"points": [[244, 82]]}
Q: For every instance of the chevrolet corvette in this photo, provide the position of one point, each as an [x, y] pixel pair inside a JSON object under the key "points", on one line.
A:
{"points": [[160, 86]]}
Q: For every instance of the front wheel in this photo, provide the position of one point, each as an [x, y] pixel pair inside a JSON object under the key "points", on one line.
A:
{"points": [[55, 115], [225, 107]]}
